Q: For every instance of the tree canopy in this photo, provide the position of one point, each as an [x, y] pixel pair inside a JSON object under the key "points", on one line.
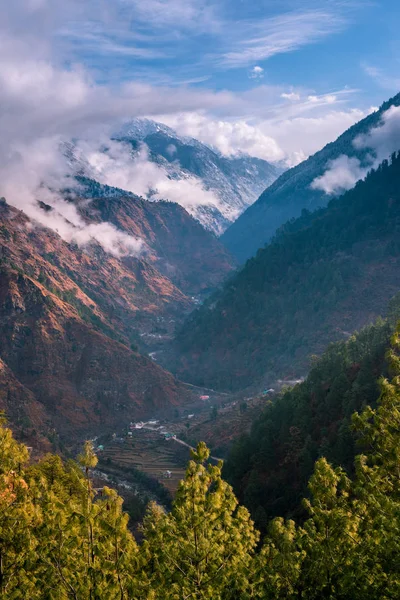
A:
{"points": [[61, 538]]}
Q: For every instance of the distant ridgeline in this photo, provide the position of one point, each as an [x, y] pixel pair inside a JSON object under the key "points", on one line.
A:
{"points": [[323, 276], [62, 538]]}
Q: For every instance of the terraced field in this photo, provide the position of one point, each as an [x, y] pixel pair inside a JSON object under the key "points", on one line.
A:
{"points": [[150, 453]]}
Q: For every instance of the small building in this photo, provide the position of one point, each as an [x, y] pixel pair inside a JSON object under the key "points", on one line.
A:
{"points": [[204, 397], [190, 416], [130, 434]]}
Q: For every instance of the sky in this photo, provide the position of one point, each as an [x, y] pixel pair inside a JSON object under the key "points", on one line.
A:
{"points": [[277, 79], [295, 71]]}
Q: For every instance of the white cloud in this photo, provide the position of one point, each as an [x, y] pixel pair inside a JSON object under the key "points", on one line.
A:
{"points": [[283, 33], [228, 137], [120, 167], [256, 72], [302, 136], [330, 98], [275, 138], [22, 179], [290, 96], [324, 98], [384, 139], [341, 175], [171, 149]]}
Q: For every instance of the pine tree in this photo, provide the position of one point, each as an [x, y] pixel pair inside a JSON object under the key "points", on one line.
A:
{"points": [[203, 548]]}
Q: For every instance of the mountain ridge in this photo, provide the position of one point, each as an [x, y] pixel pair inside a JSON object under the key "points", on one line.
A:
{"points": [[291, 192], [229, 183]]}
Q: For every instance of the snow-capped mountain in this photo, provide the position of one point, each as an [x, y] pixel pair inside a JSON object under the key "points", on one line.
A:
{"points": [[232, 182], [149, 159]]}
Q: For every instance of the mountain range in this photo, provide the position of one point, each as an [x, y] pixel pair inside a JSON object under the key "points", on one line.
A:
{"points": [[72, 319], [77, 322]]}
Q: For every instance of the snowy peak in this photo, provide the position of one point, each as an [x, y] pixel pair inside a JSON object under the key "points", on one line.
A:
{"points": [[138, 129], [216, 189]]}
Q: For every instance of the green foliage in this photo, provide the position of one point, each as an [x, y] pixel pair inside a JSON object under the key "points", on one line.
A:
{"points": [[60, 538], [203, 548]]}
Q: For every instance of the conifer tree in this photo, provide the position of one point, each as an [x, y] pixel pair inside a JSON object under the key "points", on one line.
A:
{"points": [[203, 548]]}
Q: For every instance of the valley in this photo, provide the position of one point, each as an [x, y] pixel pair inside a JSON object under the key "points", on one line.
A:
{"points": [[199, 300], [160, 448]]}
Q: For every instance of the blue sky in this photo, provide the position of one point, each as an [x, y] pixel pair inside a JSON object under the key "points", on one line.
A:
{"points": [[323, 46]]}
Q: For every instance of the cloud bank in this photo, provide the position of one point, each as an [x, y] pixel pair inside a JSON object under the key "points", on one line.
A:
{"points": [[288, 136], [381, 141], [341, 175]]}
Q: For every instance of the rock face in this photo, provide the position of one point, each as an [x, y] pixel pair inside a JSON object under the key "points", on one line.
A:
{"points": [[79, 377], [292, 191], [71, 318]]}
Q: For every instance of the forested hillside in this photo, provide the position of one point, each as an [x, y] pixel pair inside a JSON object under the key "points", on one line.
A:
{"points": [[269, 468], [323, 276], [63, 538], [292, 191]]}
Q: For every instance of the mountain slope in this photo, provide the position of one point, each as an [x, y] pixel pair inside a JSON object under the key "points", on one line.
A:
{"points": [[177, 245], [291, 192], [235, 181], [324, 275], [69, 322]]}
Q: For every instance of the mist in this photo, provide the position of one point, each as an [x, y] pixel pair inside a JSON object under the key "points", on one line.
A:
{"points": [[381, 141]]}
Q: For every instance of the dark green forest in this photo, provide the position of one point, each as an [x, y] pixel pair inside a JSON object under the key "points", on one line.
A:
{"points": [[324, 275], [270, 467]]}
